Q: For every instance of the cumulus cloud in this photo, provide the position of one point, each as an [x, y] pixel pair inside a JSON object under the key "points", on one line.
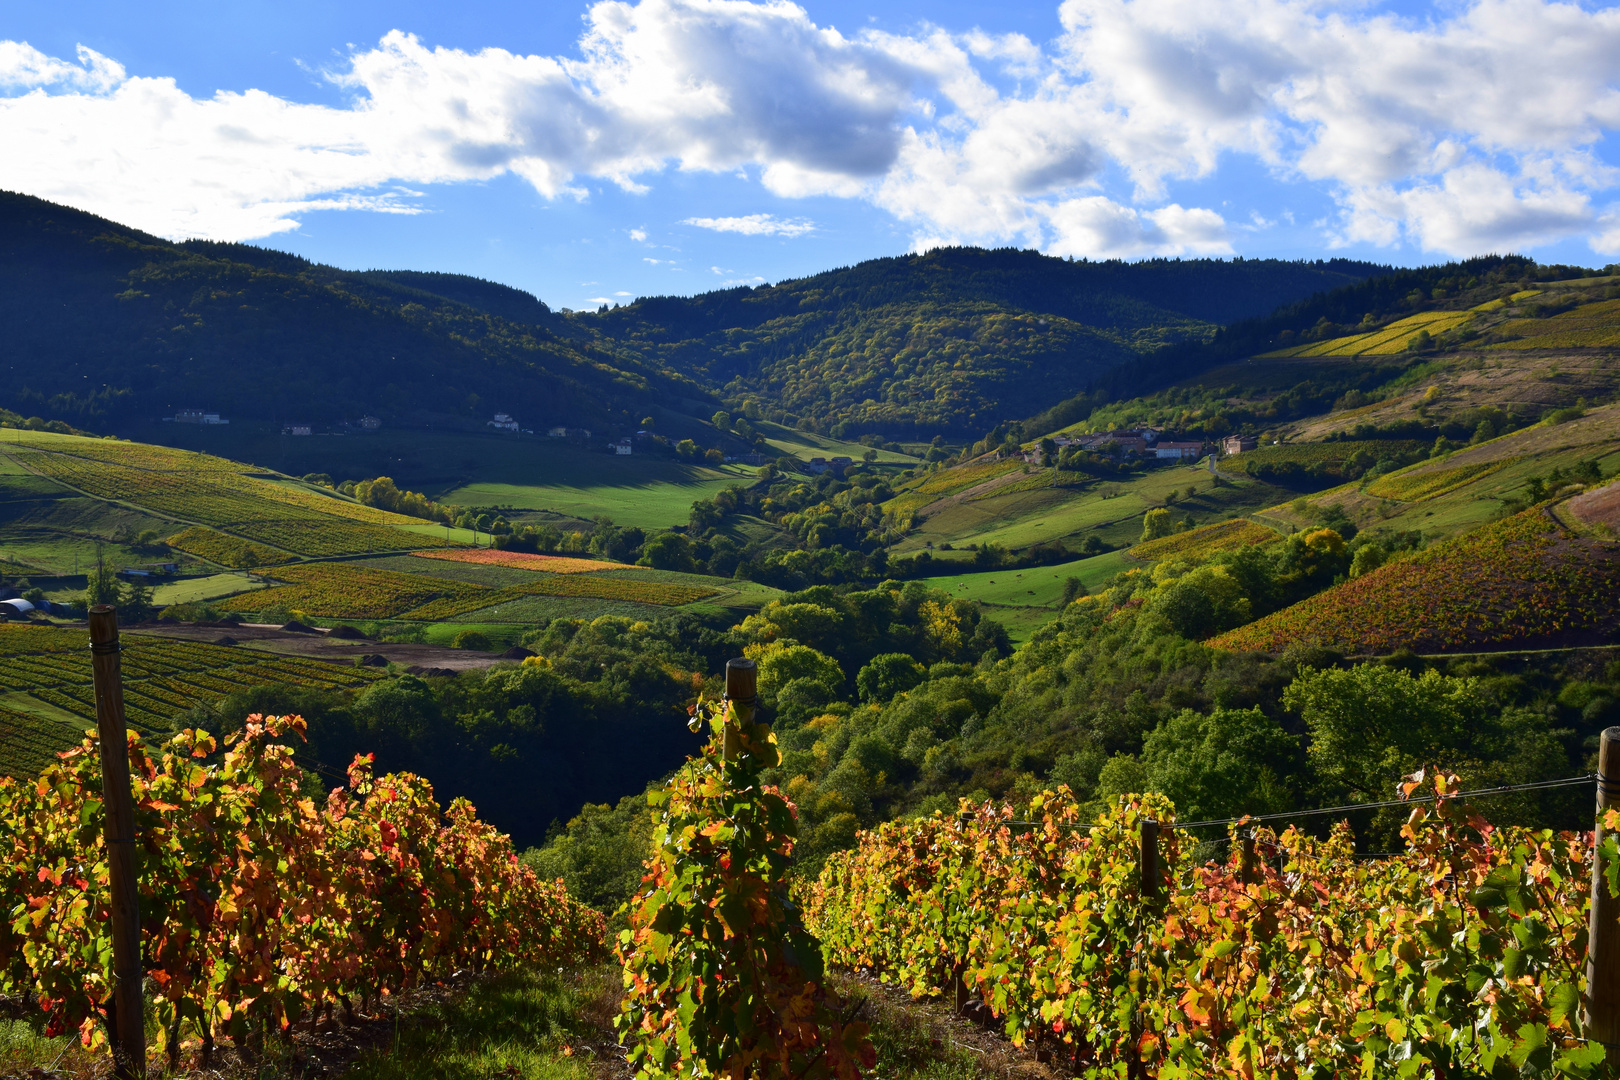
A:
{"points": [[1476, 128], [754, 225]]}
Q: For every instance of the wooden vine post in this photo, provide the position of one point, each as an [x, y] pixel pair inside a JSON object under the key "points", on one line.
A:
{"points": [[1601, 1017], [128, 1012], [1150, 861], [742, 691]]}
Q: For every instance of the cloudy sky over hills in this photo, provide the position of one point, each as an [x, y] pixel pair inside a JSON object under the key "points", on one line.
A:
{"points": [[601, 151]]}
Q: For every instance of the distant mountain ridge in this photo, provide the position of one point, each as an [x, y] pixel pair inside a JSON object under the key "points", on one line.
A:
{"points": [[106, 325]]}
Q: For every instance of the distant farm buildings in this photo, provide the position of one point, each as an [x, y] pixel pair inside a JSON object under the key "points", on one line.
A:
{"points": [[503, 422], [298, 429], [561, 432], [198, 416], [622, 447], [369, 423], [1237, 444], [1178, 451]]}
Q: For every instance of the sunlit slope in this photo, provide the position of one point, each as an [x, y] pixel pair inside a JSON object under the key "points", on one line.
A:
{"points": [[1526, 581], [216, 509], [1469, 487]]}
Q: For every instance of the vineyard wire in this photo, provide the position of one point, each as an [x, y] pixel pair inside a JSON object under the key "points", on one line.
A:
{"points": [[1505, 789]]}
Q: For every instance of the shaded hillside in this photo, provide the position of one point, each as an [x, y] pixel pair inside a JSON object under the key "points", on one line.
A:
{"points": [[106, 325], [954, 340]]}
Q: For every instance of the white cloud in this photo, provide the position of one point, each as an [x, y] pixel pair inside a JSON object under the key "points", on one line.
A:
{"points": [[1472, 129], [754, 225]]}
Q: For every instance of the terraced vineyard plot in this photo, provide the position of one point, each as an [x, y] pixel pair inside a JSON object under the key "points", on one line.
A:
{"points": [[577, 586], [162, 677], [341, 591], [29, 743], [1206, 540], [1588, 326], [1518, 580], [1428, 483], [221, 494], [1384, 342], [216, 547], [522, 560], [948, 482]]}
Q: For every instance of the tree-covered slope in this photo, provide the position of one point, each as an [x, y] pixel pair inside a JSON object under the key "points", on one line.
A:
{"points": [[105, 324], [956, 339]]}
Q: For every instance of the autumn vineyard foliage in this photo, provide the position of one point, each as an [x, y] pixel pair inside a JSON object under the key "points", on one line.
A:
{"points": [[261, 905], [1460, 957], [1518, 580], [720, 977]]}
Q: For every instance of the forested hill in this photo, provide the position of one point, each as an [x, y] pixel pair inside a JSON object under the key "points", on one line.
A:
{"points": [[105, 324], [956, 339]]}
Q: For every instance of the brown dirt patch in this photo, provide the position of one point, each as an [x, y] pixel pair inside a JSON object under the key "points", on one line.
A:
{"points": [[1599, 507]]}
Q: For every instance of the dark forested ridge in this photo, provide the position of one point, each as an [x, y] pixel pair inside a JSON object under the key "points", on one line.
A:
{"points": [[956, 339], [106, 325]]}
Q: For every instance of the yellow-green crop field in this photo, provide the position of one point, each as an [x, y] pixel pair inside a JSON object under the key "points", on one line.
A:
{"points": [[345, 591], [231, 551], [214, 492], [1588, 326], [340, 591], [1415, 484], [1382, 342], [1206, 540], [919, 493]]}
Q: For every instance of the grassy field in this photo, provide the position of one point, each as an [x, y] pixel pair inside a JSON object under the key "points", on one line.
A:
{"points": [[1025, 600], [804, 445], [1110, 510], [644, 492], [212, 587]]}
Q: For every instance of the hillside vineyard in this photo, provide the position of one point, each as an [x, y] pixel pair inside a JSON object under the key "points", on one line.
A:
{"points": [[1186, 668]]}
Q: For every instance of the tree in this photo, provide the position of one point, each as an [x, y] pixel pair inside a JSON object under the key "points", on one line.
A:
{"points": [[1156, 523], [1073, 589], [721, 420], [714, 456], [686, 448], [669, 551], [102, 587], [1371, 724], [135, 605], [476, 640], [781, 664], [888, 674], [870, 456], [1227, 763]]}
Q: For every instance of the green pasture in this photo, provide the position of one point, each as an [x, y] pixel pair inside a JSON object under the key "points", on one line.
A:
{"points": [[1109, 510], [804, 445], [1025, 600], [212, 587], [647, 493]]}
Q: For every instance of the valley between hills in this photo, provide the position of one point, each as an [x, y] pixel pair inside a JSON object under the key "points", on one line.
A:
{"points": [[1203, 539]]}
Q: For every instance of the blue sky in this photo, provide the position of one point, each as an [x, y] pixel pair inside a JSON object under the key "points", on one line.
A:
{"points": [[597, 152]]}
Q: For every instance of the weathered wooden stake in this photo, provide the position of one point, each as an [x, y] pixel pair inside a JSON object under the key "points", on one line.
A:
{"points": [[742, 691], [1150, 860], [1601, 1017], [128, 1012], [1246, 872]]}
